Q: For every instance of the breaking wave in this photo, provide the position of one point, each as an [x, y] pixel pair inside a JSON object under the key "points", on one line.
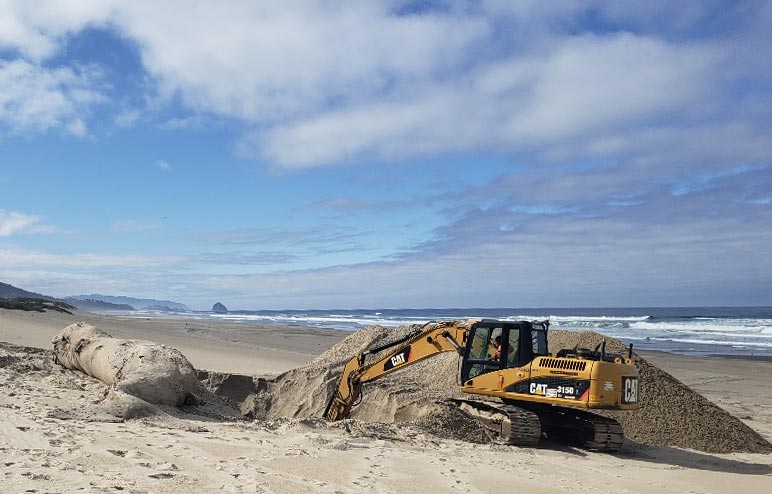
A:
{"points": [[681, 330]]}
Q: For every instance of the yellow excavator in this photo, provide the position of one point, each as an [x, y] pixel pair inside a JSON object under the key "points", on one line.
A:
{"points": [[538, 394]]}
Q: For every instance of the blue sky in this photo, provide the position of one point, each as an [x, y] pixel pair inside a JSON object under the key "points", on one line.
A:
{"points": [[311, 154]]}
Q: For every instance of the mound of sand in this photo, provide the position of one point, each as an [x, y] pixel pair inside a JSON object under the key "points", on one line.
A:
{"points": [[416, 397], [407, 396], [671, 413]]}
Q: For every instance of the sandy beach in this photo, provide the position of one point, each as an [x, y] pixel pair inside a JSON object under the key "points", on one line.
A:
{"points": [[222, 346], [50, 442]]}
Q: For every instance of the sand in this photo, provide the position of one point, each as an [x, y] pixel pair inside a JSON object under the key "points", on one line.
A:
{"points": [[224, 346], [53, 440]]}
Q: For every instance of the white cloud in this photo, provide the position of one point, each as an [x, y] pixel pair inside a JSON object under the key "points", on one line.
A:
{"points": [[13, 222], [274, 60], [324, 85], [36, 98], [164, 165], [582, 87], [593, 84], [314, 83], [36, 28], [13, 258], [127, 118], [64, 283]]}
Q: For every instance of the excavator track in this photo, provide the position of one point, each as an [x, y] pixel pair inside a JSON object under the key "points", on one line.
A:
{"points": [[580, 427], [507, 424], [524, 425]]}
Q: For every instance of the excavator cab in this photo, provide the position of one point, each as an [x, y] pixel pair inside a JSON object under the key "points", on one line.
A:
{"points": [[495, 345]]}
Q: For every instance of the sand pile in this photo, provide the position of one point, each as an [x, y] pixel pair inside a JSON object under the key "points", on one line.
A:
{"points": [[416, 397], [671, 413], [304, 392]]}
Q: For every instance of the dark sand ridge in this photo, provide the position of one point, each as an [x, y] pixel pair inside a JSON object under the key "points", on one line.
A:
{"points": [[671, 414]]}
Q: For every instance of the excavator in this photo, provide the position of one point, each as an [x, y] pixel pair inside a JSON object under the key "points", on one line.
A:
{"points": [[519, 392]]}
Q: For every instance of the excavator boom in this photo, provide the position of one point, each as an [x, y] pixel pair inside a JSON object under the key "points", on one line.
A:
{"points": [[432, 339]]}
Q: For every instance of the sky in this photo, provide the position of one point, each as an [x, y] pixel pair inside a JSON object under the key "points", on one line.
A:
{"points": [[317, 154]]}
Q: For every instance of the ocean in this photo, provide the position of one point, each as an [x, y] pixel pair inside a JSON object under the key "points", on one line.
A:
{"points": [[680, 330]]}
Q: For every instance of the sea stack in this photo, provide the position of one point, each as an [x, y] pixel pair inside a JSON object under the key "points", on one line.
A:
{"points": [[219, 308]]}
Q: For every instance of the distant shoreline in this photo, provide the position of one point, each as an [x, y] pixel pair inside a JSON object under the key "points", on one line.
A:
{"points": [[682, 331], [738, 336], [657, 353]]}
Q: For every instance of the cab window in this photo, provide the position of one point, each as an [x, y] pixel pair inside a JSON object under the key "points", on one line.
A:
{"points": [[479, 348], [482, 354], [513, 348], [539, 342]]}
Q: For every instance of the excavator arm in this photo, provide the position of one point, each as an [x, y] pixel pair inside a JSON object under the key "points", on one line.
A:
{"points": [[433, 339]]}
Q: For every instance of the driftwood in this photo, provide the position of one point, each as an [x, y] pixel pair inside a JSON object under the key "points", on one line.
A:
{"points": [[152, 372]]}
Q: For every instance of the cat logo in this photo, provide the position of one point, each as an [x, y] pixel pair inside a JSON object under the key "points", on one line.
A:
{"points": [[538, 389], [629, 390], [402, 357]]}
